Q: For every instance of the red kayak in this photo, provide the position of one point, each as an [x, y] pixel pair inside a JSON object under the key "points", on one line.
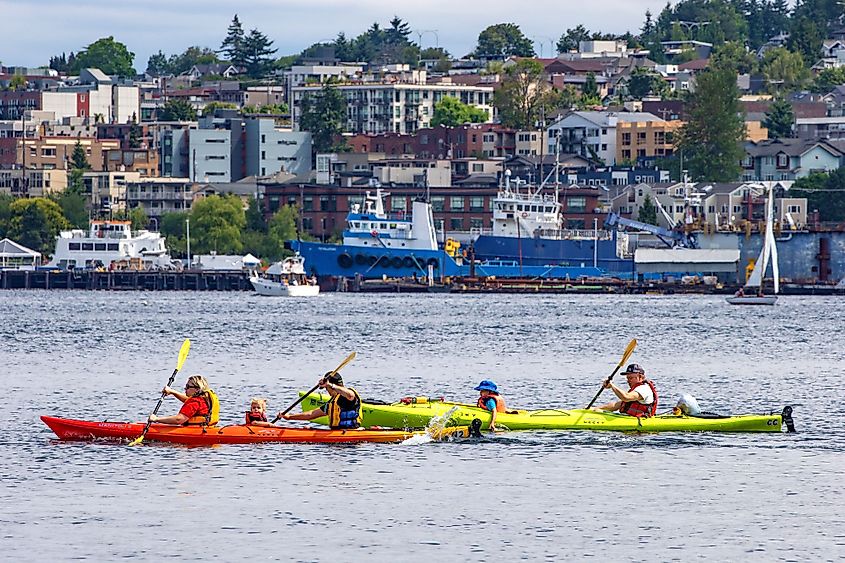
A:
{"points": [[69, 429]]}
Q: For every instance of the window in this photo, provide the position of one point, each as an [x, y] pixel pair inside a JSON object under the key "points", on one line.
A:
{"points": [[626, 138], [100, 247], [783, 160], [398, 203], [456, 203], [438, 203], [577, 204], [308, 203], [456, 224], [793, 209], [74, 246], [477, 167], [641, 138], [476, 223], [476, 203]]}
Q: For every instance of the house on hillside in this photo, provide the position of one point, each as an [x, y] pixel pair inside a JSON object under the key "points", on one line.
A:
{"points": [[788, 159]]}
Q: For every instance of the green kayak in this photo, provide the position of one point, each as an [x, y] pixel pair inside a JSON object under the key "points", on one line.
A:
{"points": [[418, 414]]}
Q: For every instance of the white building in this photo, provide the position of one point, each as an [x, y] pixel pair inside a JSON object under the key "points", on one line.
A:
{"points": [[96, 97], [270, 149]]}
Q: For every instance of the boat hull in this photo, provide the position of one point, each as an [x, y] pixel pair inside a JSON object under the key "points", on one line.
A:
{"points": [[752, 300], [536, 251], [81, 430], [272, 288], [417, 415]]}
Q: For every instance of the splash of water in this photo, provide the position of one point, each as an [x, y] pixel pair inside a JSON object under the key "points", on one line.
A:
{"points": [[434, 430]]}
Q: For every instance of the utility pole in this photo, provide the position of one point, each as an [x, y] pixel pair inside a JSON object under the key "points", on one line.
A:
{"points": [[188, 236]]}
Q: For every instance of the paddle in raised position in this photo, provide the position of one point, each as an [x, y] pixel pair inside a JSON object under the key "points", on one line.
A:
{"points": [[183, 353], [628, 351], [348, 359]]}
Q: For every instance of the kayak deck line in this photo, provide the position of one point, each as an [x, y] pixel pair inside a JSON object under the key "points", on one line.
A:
{"points": [[405, 415], [81, 430]]}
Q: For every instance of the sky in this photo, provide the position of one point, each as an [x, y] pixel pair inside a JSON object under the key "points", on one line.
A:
{"points": [[34, 30]]}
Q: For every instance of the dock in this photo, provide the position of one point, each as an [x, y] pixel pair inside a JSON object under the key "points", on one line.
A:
{"points": [[126, 280]]}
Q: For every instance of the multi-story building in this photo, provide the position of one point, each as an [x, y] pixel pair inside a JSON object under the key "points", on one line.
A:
{"points": [[56, 152], [32, 182], [143, 161], [157, 196], [269, 149], [592, 134], [106, 191], [788, 159], [643, 141], [398, 102]]}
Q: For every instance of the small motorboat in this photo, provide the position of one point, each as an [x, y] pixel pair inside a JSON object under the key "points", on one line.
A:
{"points": [[286, 279]]}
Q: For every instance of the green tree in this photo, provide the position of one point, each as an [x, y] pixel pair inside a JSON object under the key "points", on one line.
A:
{"points": [[157, 64], [282, 225], [570, 40], [139, 218], [645, 82], [255, 217], [110, 56], [824, 192], [591, 88], [233, 44], [211, 107], [805, 38], [172, 227], [503, 40], [216, 224], [648, 211], [17, 82], [784, 71], [78, 158], [324, 115], [74, 207], [711, 138], [828, 79], [5, 214], [733, 55], [257, 51], [451, 112], [779, 119], [178, 110], [525, 95], [35, 222], [135, 134]]}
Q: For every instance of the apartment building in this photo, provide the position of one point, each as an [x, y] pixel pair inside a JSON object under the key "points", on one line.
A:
{"points": [[593, 134], [639, 141]]}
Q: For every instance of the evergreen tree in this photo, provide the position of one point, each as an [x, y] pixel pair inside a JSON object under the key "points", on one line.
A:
{"points": [[779, 119], [324, 115], [648, 211], [135, 133], [178, 110], [78, 158], [257, 51], [711, 139], [570, 40], [233, 44]]}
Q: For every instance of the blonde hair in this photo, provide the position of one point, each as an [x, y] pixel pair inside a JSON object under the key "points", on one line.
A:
{"points": [[199, 382], [258, 401]]}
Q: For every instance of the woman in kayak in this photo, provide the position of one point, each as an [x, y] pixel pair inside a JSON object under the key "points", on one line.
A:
{"points": [[201, 406], [343, 409], [639, 400], [490, 400]]}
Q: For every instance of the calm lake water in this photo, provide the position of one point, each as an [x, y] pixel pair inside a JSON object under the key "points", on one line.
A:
{"points": [[533, 496]]}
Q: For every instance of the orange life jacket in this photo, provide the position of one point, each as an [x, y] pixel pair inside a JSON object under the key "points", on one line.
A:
{"points": [[500, 402], [636, 408], [255, 417]]}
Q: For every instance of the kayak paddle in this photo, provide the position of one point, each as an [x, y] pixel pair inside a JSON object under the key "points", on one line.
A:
{"points": [[348, 359], [628, 351], [183, 353]]}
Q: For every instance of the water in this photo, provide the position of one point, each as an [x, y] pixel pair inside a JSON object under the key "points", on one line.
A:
{"points": [[534, 496]]}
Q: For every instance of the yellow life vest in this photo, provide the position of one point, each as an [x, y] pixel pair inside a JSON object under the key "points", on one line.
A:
{"points": [[213, 416], [344, 419]]}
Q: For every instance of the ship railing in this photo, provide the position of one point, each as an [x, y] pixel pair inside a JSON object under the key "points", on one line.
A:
{"points": [[576, 234], [478, 231]]}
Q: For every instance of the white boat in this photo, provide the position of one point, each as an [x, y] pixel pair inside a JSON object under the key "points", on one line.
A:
{"points": [[111, 245], [286, 279], [754, 285]]}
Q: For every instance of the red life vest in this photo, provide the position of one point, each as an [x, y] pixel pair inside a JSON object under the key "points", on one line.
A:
{"points": [[255, 417], [500, 402], [636, 408]]}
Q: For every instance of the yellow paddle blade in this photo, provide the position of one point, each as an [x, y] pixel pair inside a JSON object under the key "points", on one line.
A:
{"points": [[628, 351], [348, 359], [183, 353], [137, 440]]}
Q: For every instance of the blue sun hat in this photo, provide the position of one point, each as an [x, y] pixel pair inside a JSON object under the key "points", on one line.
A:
{"points": [[487, 385]]}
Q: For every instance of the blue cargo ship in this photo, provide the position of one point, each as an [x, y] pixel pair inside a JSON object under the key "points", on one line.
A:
{"points": [[526, 241]]}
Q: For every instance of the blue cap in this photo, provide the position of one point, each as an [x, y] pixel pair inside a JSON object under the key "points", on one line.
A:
{"points": [[487, 385]]}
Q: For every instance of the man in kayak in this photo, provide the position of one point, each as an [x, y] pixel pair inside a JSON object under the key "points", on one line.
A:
{"points": [[490, 400], [343, 409], [639, 400], [201, 406]]}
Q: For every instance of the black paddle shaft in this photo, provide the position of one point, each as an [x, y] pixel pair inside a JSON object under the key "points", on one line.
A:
{"points": [[602, 387], [160, 400], [299, 400]]}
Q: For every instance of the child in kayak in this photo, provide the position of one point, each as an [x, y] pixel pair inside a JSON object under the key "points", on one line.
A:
{"points": [[490, 400], [257, 413]]}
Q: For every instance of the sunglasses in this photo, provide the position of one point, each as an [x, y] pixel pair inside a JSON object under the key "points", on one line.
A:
{"points": [[191, 387]]}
